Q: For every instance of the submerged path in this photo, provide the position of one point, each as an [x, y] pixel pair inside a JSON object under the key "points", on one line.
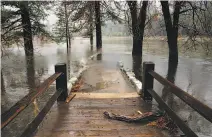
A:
{"points": [[102, 90]]}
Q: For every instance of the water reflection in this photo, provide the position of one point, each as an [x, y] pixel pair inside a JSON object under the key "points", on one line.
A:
{"points": [[99, 56], [68, 63], [137, 67], [167, 96], [30, 67], [2, 84], [36, 109], [30, 72], [91, 48]]}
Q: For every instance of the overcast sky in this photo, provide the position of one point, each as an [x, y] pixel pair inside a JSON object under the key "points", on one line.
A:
{"points": [[52, 18]]}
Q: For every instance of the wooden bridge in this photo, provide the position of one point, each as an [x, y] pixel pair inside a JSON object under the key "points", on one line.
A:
{"points": [[83, 116]]}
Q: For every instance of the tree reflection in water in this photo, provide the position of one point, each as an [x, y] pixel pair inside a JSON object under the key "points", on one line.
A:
{"points": [[30, 67], [99, 56], [137, 67]]}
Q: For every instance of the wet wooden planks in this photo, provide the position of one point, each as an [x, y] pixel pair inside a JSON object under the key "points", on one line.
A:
{"points": [[83, 116]]}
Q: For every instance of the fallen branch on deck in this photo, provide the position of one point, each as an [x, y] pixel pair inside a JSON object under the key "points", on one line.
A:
{"points": [[158, 119], [144, 117]]}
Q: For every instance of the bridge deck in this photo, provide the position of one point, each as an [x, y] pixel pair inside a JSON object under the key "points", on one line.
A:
{"points": [[83, 116]]}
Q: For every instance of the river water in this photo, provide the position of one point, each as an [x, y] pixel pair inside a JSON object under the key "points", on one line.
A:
{"points": [[193, 74]]}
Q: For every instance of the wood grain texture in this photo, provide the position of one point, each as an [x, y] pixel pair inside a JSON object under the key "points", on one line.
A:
{"points": [[83, 116], [103, 89]]}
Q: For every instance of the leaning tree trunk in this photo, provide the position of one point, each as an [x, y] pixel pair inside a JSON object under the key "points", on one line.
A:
{"points": [[27, 32], [98, 25], [171, 30]]}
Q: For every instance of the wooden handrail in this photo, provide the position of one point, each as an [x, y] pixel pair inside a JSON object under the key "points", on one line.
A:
{"points": [[201, 108], [60, 95], [10, 114], [147, 92], [171, 113], [38, 119]]}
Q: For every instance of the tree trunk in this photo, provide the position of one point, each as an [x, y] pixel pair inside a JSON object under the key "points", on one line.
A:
{"points": [[91, 37], [91, 23], [27, 32], [66, 24], [141, 25], [98, 25], [2, 83], [138, 25], [133, 11], [137, 67], [171, 30]]}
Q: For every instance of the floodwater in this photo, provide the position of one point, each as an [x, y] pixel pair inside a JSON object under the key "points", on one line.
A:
{"points": [[193, 74]]}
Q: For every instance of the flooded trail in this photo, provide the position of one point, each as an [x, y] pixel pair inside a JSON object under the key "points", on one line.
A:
{"points": [[103, 89], [193, 74], [104, 80]]}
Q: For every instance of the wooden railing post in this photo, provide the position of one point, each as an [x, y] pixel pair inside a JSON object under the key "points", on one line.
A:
{"points": [[147, 80], [61, 81]]}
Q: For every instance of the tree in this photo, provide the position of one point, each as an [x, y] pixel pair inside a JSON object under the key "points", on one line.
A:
{"points": [[68, 39], [91, 11], [98, 25], [172, 28], [81, 15], [27, 31], [71, 19], [194, 21], [22, 20], [85, 14], [138, 24]]}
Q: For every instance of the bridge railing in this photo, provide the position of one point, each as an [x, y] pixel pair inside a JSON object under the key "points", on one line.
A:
{"points": [[148, 94], [60, 95]]}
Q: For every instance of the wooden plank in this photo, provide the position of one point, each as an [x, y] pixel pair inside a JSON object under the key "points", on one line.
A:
{"points": [[107, 95], [70, 97], [142, 132], [10, 114], [38, 119], [87, 119]]}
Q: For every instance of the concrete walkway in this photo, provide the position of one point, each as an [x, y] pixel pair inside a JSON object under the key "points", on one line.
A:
{"points": [[102, 90]]}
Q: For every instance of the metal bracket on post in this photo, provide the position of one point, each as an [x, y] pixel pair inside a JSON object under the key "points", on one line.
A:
{"points": [[147, 80], [61, 81]]}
